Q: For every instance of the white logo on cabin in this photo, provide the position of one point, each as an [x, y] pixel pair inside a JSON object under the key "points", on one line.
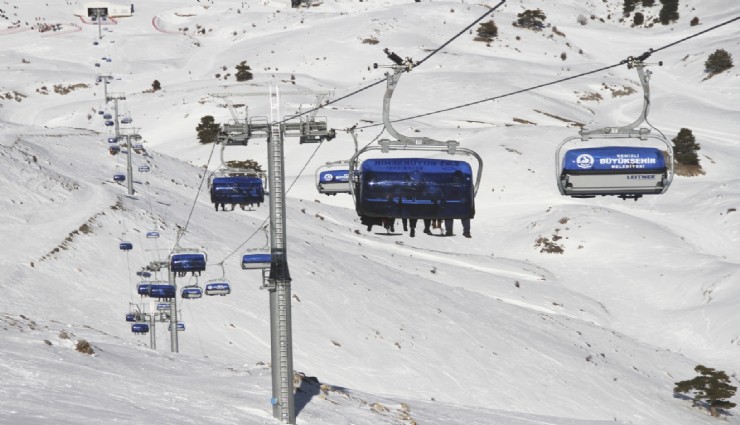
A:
{"points": [[328, 177], [584, 161]]}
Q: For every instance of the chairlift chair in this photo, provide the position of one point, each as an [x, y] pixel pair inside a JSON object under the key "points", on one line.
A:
{"points": [[126, 246], [333, 178], [217, 287], [142, 288], [191, 293], [184, 262], [107, 116], [613, 163], [152, 234], [109, 123], [119, 177], [162, 290], [165, 306], [180, 327], [126, 120], [256, 261], [114, 149], [144, 168], [112, 140], [140, 328]]}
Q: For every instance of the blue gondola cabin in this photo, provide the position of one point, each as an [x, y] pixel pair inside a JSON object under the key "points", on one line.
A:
{"points": [[139, 328], [243, 190], [415, 188], [626, 172], [332, 182], [182, 263], [218, 288], [191, 293], [256, 261]]}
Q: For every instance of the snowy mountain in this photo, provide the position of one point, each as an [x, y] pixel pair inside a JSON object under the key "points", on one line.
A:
{"points": [[387, 329]]}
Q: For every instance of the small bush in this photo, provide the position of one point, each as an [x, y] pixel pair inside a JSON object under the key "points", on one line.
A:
{"points": [[669, 12], [629, 7], [487, 31], [639, 19], [685, 148], [156, 85], [582, 19], [531, 19], [648, 3], [694, 22], [243, 72], [718, 61], [84, 347], [563, 56], [207, 129]]}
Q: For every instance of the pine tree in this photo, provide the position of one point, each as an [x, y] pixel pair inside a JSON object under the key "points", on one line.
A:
{"points": [[242, 72], [207, 129], [669, 11], [711, 385], [531, 19], [718, 61], [629, 6], [156, 85], [487, 31], [639, 19], [685, 148]]}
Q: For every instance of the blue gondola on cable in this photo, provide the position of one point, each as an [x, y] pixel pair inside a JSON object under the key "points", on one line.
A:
{"points": [[144, 168], [97, 65], [180, 327], [119, 177], [126, 246], [152, 234], [191, 293], [256, 261], [142, 288], [163, 291], [126, 120], [109, 123], [188, 262], [139, 328], [114, 149], [237, 190], [101, 112], [112, 140], [415, 188], [163, 306], [132, 317], [107, 116], [627, 172], [331, 182], [219, 287]]}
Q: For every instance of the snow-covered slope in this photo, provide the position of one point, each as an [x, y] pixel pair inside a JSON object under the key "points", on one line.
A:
{"points": [[398, 329]]}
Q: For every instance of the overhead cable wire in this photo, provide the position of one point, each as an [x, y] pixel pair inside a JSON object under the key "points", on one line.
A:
{"points": [[197, 194], [432, 53], [643, 56]]}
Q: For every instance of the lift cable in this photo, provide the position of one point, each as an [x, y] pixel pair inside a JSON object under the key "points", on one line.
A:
{"points": [[197, 194], [642, 57], [383, 80]]}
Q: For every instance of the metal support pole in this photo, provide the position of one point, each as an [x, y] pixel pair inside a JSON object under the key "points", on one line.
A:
{"points": [[129, 166], [115, 118], [152, 331], [283, 399], [100, 32], [173, 315]]}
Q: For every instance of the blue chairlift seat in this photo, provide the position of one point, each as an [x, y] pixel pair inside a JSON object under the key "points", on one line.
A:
{"points": [[146, 274], [415, 188], [114, 149], [97, 65], [138, 147], [107, 116], [144, 168], [331, 182], [623, 171], [191, 293], [152, 234], [180, 327], [163, 306], [219, 287], [187, 262], [109, 123], [140, 328], [126, 120], [126, 246], [142, 288], [101, 112], [256, 261], [237, 190], [119, 177], [162, 291], [133, 317], [112, 140]]}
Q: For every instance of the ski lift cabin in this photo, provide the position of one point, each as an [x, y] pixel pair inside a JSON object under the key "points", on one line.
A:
{"points": [[415, 188], [107, 116], [162, 291], [245, 190], [126, 120], [140, 328], [164, 306], [109, 123], [623, 171], [119, 177], [218, 287], [180, 327], [333, 178], [256, 261], [126, 246], [184, 262], [152, 234], [191, 293], [114, 149], [616, 163], [144, 168]]}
